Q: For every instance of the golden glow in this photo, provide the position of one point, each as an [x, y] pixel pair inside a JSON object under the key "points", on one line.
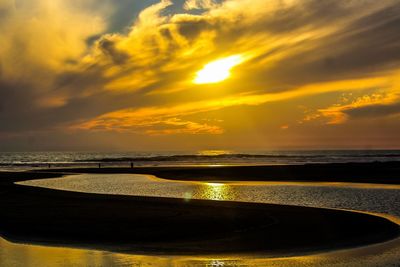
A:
{"points": [[213, 152], [215, 191], [140, 119], [218, 70]]}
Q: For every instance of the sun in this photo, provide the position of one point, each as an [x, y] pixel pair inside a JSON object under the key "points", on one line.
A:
{"points": [[218, 70]]}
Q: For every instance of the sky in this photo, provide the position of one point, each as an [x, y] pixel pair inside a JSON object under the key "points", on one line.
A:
{"points": [[148, 75]]}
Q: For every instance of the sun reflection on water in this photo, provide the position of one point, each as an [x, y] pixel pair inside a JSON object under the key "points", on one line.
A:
{"points": [[214, 152], [214, 191]]}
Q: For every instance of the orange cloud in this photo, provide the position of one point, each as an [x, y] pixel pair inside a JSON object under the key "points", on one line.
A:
{"points": [[185, 127], [384, 96]]}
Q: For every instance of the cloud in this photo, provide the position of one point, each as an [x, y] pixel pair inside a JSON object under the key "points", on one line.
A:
{"points": [[290, 42], [374, 110], [35, 39], [372, 106], [64, 71], [177, 126], [199, 4], [381, 103], [149, 121], [38, 40]]}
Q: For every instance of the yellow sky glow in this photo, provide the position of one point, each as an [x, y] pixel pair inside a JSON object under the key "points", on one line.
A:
{"points": [[218, 70]]}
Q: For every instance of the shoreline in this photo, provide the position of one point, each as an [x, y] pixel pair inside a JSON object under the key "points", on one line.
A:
{"points": [[165, 225], [371, 172]]}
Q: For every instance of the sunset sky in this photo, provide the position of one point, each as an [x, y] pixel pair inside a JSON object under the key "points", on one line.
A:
{"points": [[199, 74]]}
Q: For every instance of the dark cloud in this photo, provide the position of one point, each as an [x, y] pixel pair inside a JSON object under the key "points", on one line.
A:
{"points": [[366, 46], [107, 46], [305, 14], [17, 109], [191, 27], [371, 111]]}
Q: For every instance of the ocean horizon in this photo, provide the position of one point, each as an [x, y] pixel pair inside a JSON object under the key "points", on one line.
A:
{"points": [[27, 160]]}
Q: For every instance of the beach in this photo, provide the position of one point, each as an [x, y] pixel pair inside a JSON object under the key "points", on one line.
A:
{"points": [[185, 226]]}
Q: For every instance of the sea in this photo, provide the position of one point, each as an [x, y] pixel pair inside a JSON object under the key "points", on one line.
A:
{"points": [[31, 160]]}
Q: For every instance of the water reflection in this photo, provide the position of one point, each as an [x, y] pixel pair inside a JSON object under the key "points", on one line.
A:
{"points": [[214, 191], [214, 152]]}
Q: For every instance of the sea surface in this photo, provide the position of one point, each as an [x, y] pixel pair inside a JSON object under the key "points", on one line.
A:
{"points": [[379, 199], [29, 160]]}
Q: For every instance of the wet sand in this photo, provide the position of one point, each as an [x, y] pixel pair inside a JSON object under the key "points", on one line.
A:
{"points": [[175, 226]]}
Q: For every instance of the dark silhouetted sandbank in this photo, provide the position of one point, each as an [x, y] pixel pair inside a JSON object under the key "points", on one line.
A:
{"points": [[376, 172]]}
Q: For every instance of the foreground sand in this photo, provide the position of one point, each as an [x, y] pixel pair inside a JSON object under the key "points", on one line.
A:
{"points": [[160, 225]]}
